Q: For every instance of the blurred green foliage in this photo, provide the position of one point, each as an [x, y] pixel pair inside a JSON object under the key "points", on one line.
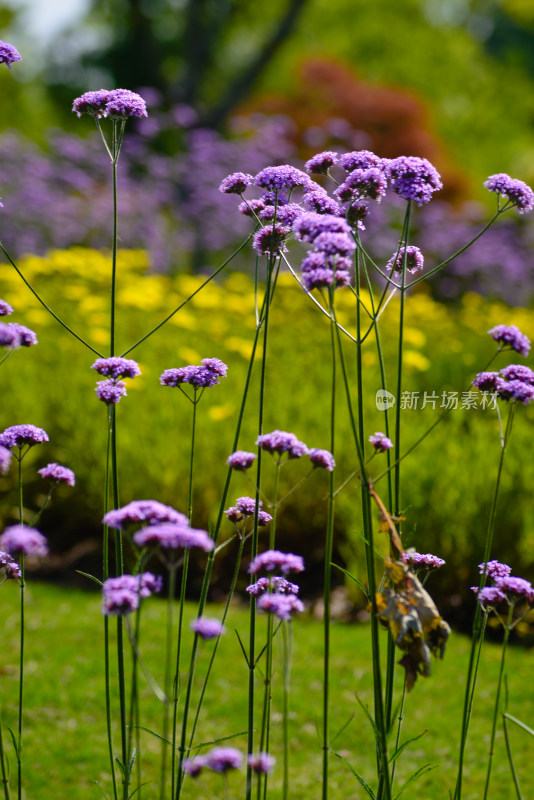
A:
{"points": [[447, 482]]}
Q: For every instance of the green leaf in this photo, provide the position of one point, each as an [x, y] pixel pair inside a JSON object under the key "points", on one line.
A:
{"points": [[264, 648], [363, 783], [91, 577], [101, 789], [222, 739], [242, 648], [369, 717], [121, 767], [152, 733], [137, 788], [356, 581], [343, 727], [519, 723], [417, 774], [14, 739], [405, 744]]}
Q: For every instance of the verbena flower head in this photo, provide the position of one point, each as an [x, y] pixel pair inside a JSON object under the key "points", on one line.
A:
{"points": [[20, 435], [5, 309], [320, 201], [516, 191], [413, 178], [310, 224], [486, 381], [26, 337], [281, 442], [8, 54], [170, 536], [422, 560], [359, 159], [251, 207], [495, 569], [58, 474], [380, 442], [285, 215], [149, 512], [321, 162], [93, 103], [518, 372], [515, 390], [322, 458], [5, 459], [414, 260], [122, 103], [222, 759], [193, 766], [282, 177], [236, 183], [9, 336], [110, 391], [360, 184], [323, 277], [516, 588], [205, 375], [10, 567], [246, 507], [241, 460], [123, 595], [489, 595], [510, 336], [276, 561], [275, 584], [207, 628], [262, 763], [23, 539], [270, 240], [116, 367], [282, 606]]}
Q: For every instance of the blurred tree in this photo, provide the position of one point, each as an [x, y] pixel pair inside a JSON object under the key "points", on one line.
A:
{"points": [[188, 49]]}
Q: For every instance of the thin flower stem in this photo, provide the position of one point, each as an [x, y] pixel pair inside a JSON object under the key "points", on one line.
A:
{"points": [[7, 355], [133, 724], [42, 302], [399, 727], [472, 668], [38, 515], [510, 759], [21, 672], [507, 629], [3, 766], [178, 308], [254, 546], [329, 544], [167, 682], [406, 230], [287, 636]]}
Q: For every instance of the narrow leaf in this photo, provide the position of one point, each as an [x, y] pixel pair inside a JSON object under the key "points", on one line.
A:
{"points": [[14, 739], [152, 733], [369, 717], [242, 648], [264, 648], [343, 727], [222, 739], [101, 789], [137, 788], [405, 744], [417, 774], [356, 581], [511, 759], [519, 723], [91, 577], [363, 783], [121, 767]]}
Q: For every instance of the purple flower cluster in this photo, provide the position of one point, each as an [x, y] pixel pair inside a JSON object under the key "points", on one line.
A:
{"points": [[5, 309], [413, 178], [320, 163], [236, 183], [117, 104], [9, 566], [328, 263], [8, 54], [207, 628], [110, 391], [282, 606], [270, 240], [57, 474], [149, 512], [510, 336], [207, 374], [123, 595], [359, 159], [22, 539], [414, 260], [514, 382], [241, 460], [276, 179], [422, 560], [262, 763], [274, 584], [280, 443], [516, 192], [116, 367], [5, 459], [14, 335], [172, 537], [322, 458], [272, 560], [495, 569], [363, 184], [20, 435], [246, 507], [504, 586], [380, 442]]}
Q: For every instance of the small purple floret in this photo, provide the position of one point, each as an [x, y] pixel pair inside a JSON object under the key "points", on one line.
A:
{"points": [[282, 606], [414, 260], [221, 759], [5, 309], [322, 458], [413, 178], [511, 336], [495, 569], [5, 459], [10, 567], [274, 560], [380, 442], [22, 539], [8, 54], [321, 163], [149, 512], [261, 763], [170, 536], [207, 628], [116, 367], [516, 191], [236, 183], [110, 391], [122, 595], [241, 460], [281, 442], [58, 474], [282, 177], [20, 435], [422, 560]]}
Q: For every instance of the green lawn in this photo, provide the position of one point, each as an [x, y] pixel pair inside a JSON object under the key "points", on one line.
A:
{"points": [[64, 732]]}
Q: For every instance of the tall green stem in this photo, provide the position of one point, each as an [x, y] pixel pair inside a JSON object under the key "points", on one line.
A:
{"points": [[507, 629], [167, 682], [478, 627], [3, 767]]}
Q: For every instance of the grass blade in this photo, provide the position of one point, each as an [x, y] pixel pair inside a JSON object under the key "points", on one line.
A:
{"points": [[363, 783]]}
